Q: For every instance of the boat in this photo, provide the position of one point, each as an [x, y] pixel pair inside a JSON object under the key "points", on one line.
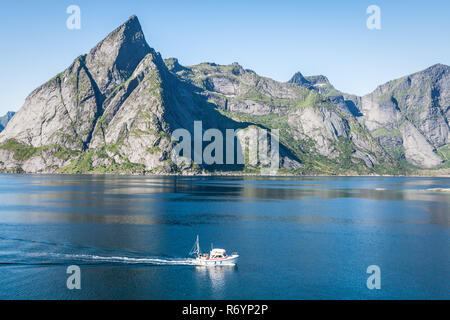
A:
{"points": [[216, 257]]}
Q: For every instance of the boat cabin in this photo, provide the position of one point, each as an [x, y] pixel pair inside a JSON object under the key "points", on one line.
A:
{"points": [[217, 254]]}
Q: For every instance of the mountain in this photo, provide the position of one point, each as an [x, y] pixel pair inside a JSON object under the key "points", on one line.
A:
{"points": [[114, 110], [5, 119], [410, 116], [319, 83], [322, 138], [344, 102]]}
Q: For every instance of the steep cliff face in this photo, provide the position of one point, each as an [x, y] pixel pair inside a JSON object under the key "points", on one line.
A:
{"points": [[63, 125], [114, 110], [410, 116], [324, 136], [64, 111]]}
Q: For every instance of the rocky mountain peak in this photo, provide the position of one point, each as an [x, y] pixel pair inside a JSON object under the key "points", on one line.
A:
{"points": [[114, 59], [319, 79], [309, 81], [237, 69], [435, 72], [173, 65], [412, 113], [299, 79], [439, 66]]}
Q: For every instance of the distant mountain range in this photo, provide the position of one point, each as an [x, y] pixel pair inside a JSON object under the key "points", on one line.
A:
{"points": [[113, 111], [5, 119]]}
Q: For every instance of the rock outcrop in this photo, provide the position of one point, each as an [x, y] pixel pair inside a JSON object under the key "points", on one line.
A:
{"points": [[410, 116]]}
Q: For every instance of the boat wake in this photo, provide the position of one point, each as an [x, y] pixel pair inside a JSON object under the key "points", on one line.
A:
{"points": [[39, 253], [96, 259]]}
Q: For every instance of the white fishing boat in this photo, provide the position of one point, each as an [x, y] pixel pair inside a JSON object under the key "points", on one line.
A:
{"points": [[216, 257]]}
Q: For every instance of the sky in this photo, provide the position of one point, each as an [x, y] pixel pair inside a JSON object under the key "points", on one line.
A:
{"points": [[273, 38]]}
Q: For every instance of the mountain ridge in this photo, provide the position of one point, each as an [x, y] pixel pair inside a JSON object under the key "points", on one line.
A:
{"points": [[113, 111]]}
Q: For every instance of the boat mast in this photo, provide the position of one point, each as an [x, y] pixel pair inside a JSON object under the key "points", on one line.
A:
{"points": [[196, 248]]}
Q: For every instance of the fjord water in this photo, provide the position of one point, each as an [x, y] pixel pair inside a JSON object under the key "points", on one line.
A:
{"points": [[299, 238]]}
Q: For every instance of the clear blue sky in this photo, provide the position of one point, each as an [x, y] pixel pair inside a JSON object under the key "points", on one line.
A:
{"points": [[273, 38]]}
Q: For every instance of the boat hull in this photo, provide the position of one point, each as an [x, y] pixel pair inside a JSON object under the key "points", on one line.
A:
{"points": [[228, 261]]}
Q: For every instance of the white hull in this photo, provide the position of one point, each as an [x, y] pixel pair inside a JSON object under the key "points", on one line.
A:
{"points": [[228, 261]]}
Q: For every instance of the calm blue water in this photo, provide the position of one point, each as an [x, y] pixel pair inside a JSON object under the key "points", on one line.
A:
{"points": [[299, 238]]}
